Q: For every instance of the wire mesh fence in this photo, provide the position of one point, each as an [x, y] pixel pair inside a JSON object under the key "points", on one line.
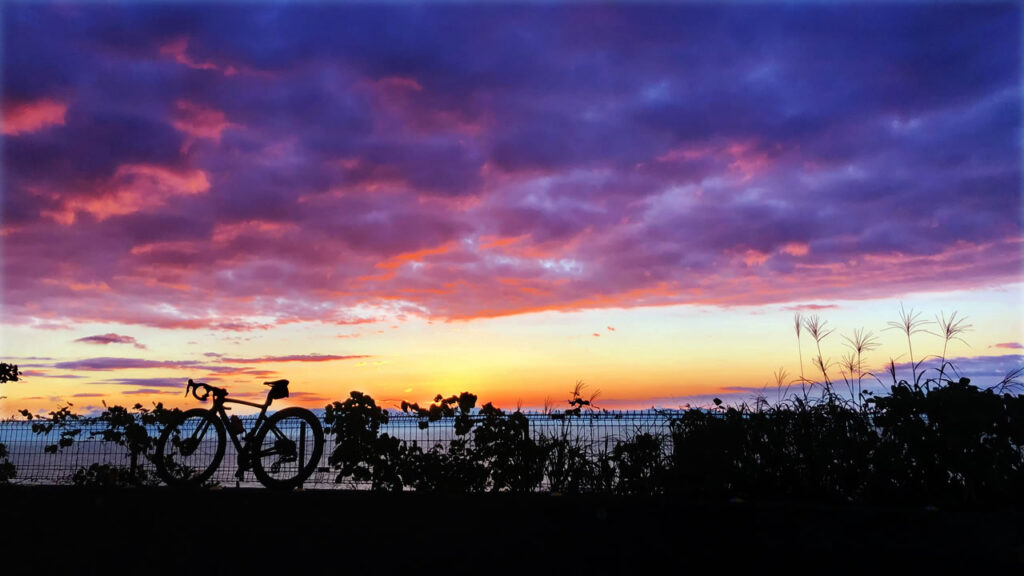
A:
{"points": [[39, 459]]}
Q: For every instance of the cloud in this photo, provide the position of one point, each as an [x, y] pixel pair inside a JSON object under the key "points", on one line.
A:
{"points": [[983, 371], [810, 307], [107, 363], [45, 374], [294, 358], [111, 338], [1009, 345], [170, 382], [27, 117], [165, 168]]}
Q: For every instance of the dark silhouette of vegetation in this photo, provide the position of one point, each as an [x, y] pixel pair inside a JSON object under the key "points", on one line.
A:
{"points": [[928, 440], [135, 429], [933, 439], [8, 373], [572, 464], [360, 451]]}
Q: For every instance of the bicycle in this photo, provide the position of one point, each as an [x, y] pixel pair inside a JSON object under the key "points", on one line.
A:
{"points": [[283, 450]]}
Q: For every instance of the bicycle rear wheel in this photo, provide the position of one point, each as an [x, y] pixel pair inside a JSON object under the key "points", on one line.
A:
{"points": [[189, 450], [287, 449]]}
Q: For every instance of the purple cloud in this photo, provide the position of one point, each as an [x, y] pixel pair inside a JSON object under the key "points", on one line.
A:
{"points": [[111, 338], [294, 358], [106, 363], [149, 383]]}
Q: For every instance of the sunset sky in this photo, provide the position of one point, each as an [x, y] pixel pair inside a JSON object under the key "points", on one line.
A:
{"points": [[411, 200]]}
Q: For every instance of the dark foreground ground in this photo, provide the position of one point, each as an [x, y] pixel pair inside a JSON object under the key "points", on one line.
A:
{"points": [[140, 531]]}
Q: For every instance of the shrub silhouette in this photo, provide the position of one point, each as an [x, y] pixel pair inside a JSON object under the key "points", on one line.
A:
{"points": [[573, 465], [129, 428], [799, 450], [361, 452], [446, 469], [949, 443], [8, 373], [503, 445], [640, 465]]}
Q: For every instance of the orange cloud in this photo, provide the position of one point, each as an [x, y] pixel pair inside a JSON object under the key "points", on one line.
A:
{"points": [[406, 257], [29, 117]]}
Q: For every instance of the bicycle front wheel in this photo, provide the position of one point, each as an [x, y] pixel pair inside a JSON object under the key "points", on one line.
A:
{"points": [[287, 449], [190, 449]]}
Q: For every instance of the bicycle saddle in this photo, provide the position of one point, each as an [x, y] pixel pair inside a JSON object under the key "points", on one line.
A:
{"points": [[276, 383]]}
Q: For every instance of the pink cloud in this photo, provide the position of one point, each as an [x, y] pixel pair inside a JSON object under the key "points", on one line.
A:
{"points": [[27, 117], [132, 188], [1009, 345], [199, 121], [178, 50]]}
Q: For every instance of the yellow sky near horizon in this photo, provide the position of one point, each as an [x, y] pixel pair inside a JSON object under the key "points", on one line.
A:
{"points": [[636, 358]]}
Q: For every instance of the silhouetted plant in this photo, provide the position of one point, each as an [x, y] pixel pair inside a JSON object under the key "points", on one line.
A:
{"points": [[953, 442], [860, 343], [950, 329], [570, 462], [8, 373], [798, 324], [67, 423], [795, 449], [451, 468], [640, 464], [818, 330], [446, 468], [361, 452], [104, 476], [135, 429], [910, 323], [445, 408], [503, 445]]}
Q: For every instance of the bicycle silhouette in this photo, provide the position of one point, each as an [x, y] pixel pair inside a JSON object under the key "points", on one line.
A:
{"points": [[282, 450]]}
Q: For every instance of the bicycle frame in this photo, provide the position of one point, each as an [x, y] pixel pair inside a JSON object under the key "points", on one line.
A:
{"points": [[220, 410], [220, 398]]}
